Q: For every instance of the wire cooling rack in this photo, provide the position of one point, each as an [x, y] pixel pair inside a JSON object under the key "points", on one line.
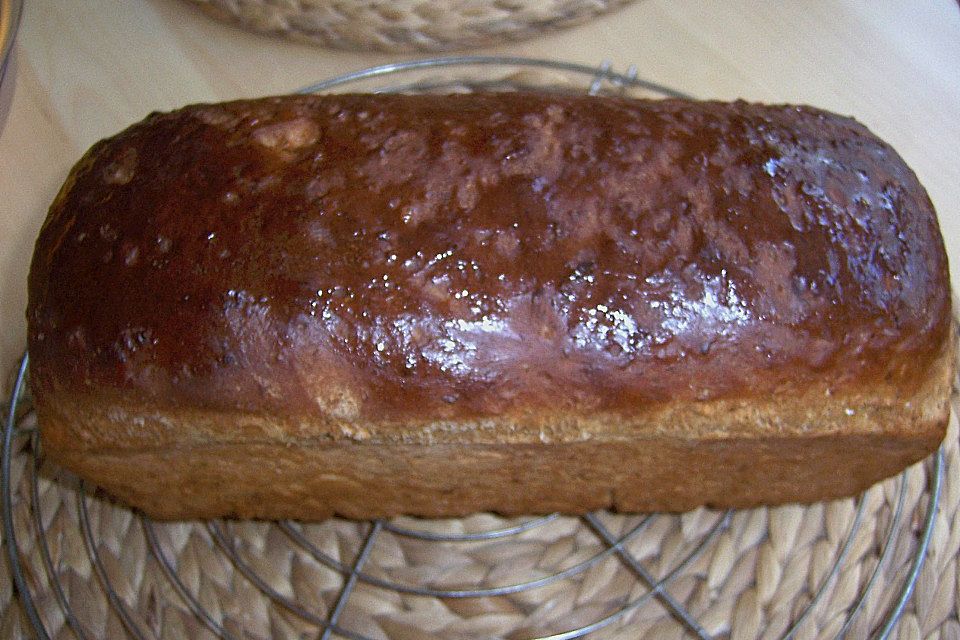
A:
{"points": [[85, 567]]}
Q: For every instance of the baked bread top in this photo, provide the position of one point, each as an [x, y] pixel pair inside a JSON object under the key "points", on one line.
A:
{"points": [[377, 258]]}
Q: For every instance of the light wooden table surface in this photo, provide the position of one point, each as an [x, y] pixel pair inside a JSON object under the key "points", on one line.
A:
{"points": [[83, 69]]}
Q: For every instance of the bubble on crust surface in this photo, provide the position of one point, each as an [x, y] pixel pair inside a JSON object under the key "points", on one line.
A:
{"points": [[122, 169], [338, 403], [289, 135], [216, 117]]}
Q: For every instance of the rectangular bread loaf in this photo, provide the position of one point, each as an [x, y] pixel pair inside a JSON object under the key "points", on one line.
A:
{"points": [[370, 305]]}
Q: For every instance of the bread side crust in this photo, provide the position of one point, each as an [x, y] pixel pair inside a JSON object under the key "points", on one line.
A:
{"points": [[782, 455]]}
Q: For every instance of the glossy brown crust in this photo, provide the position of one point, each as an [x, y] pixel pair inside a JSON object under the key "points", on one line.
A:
{"points": [[386, 259]]}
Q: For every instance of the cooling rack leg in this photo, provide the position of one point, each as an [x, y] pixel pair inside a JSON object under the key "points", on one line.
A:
{"points": [[112, 596], [352, 578], [52, 576], [921, 556], [9, 535], [677, 609]]}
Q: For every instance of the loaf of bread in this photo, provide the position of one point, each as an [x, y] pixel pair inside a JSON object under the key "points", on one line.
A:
{"points": [[369, 305]]}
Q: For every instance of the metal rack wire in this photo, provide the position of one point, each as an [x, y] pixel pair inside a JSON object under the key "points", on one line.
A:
{"points": [[21, 441]]}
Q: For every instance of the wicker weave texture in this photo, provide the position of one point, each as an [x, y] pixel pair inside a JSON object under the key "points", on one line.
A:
{"points": [[407, 25]]}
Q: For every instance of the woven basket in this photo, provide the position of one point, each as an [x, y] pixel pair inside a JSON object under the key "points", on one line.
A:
{"points": [[407, 25]]}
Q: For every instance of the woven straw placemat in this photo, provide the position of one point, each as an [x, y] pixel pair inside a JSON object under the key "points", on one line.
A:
{"points": [[406, 25], [743, 574]]}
